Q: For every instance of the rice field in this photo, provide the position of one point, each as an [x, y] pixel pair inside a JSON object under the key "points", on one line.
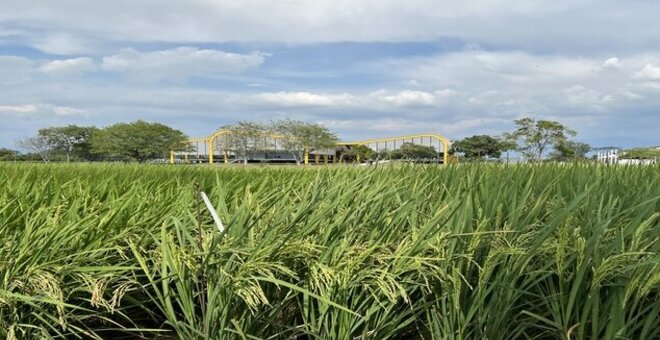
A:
{"points": [[407, 252]]}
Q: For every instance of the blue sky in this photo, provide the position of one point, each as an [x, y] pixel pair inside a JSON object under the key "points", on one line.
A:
{"points": [[364, 68]]}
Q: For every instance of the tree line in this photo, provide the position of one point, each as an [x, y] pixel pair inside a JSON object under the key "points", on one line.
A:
{"points": [[141, 141], [532, 138], [134, 141]]}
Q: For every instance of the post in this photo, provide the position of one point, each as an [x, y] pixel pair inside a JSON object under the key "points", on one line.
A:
{"points": [[306, 156], [317, 158], [185, 157], [226, 156], [171, 156], [211, 151]]}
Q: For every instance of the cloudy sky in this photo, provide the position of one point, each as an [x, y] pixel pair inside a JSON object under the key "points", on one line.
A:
{"points": [[364, 68]]}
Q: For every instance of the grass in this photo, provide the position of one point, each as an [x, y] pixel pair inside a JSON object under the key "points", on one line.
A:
{"points": [[407, 252]]}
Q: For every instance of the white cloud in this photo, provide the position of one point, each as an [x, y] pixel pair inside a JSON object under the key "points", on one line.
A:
{"points": [[67, 111], [579, 95], [612, 63], [510, 82], [380, 100], [180, 62], [517, 67], [384, 126], [650, 72], [411, 98], [69, 66], [28, 108], [62, 43], [389, 126], [302, 99], [518, 22]]}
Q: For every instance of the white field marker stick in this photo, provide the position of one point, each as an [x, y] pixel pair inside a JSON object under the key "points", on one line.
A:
{"points": [[214, 214]]}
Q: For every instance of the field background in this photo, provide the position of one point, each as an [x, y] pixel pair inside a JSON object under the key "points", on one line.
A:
{"points": [[404, 252]]}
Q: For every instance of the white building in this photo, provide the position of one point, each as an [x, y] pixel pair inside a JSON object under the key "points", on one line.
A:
{"points": [[612, 157]]}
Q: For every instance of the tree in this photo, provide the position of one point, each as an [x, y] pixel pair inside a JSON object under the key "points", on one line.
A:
{"points": [[506, 144], [478, 147], [299, 137], [535, 137], [641, 153], [70, 139], [413, 151], [8, 154], [359, 152], [570, 151], [39, 145], [138, 140], [244, 139]]}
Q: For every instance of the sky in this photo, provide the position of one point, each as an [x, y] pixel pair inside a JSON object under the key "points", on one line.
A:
{"points": [[364, 68]]}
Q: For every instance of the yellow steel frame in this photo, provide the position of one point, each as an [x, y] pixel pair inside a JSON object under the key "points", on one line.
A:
{"points": [[444, 141], [211, 141]]}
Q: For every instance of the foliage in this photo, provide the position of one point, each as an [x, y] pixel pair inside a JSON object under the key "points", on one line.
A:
{"points": [[244, 139], [478, 147], [535, 137], [361, 152], [138, 140], [570, 151], [394, 252], [70, 139], [8, 154], [507, 144], [297, 137], [641, 153], [413, 151], [40, 145]]}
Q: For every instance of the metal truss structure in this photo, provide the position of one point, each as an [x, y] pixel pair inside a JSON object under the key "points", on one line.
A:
{"points": [[209, 149]]}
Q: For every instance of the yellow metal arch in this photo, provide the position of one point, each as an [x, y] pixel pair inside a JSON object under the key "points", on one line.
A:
{"points": [[210, 140], [444, 141]]}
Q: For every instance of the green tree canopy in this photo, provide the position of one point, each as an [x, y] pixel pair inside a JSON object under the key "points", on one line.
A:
{"points": [[361, 152], [478, 147], [570, 151], [297, 136], [413, 151], [8, 154], [535, 137], [641, 153], [138, 140]]}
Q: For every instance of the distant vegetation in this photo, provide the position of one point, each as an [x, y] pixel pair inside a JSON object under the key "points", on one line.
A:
{"points": [[136, 141], [140, 141], [294, 136], [641, 153]]}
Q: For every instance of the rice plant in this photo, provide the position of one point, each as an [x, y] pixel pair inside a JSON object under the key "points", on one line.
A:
{"points": [[397, 252]]}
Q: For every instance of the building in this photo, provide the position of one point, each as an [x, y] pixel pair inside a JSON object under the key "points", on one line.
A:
{"points": [[216, 149], [613, 156]]}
